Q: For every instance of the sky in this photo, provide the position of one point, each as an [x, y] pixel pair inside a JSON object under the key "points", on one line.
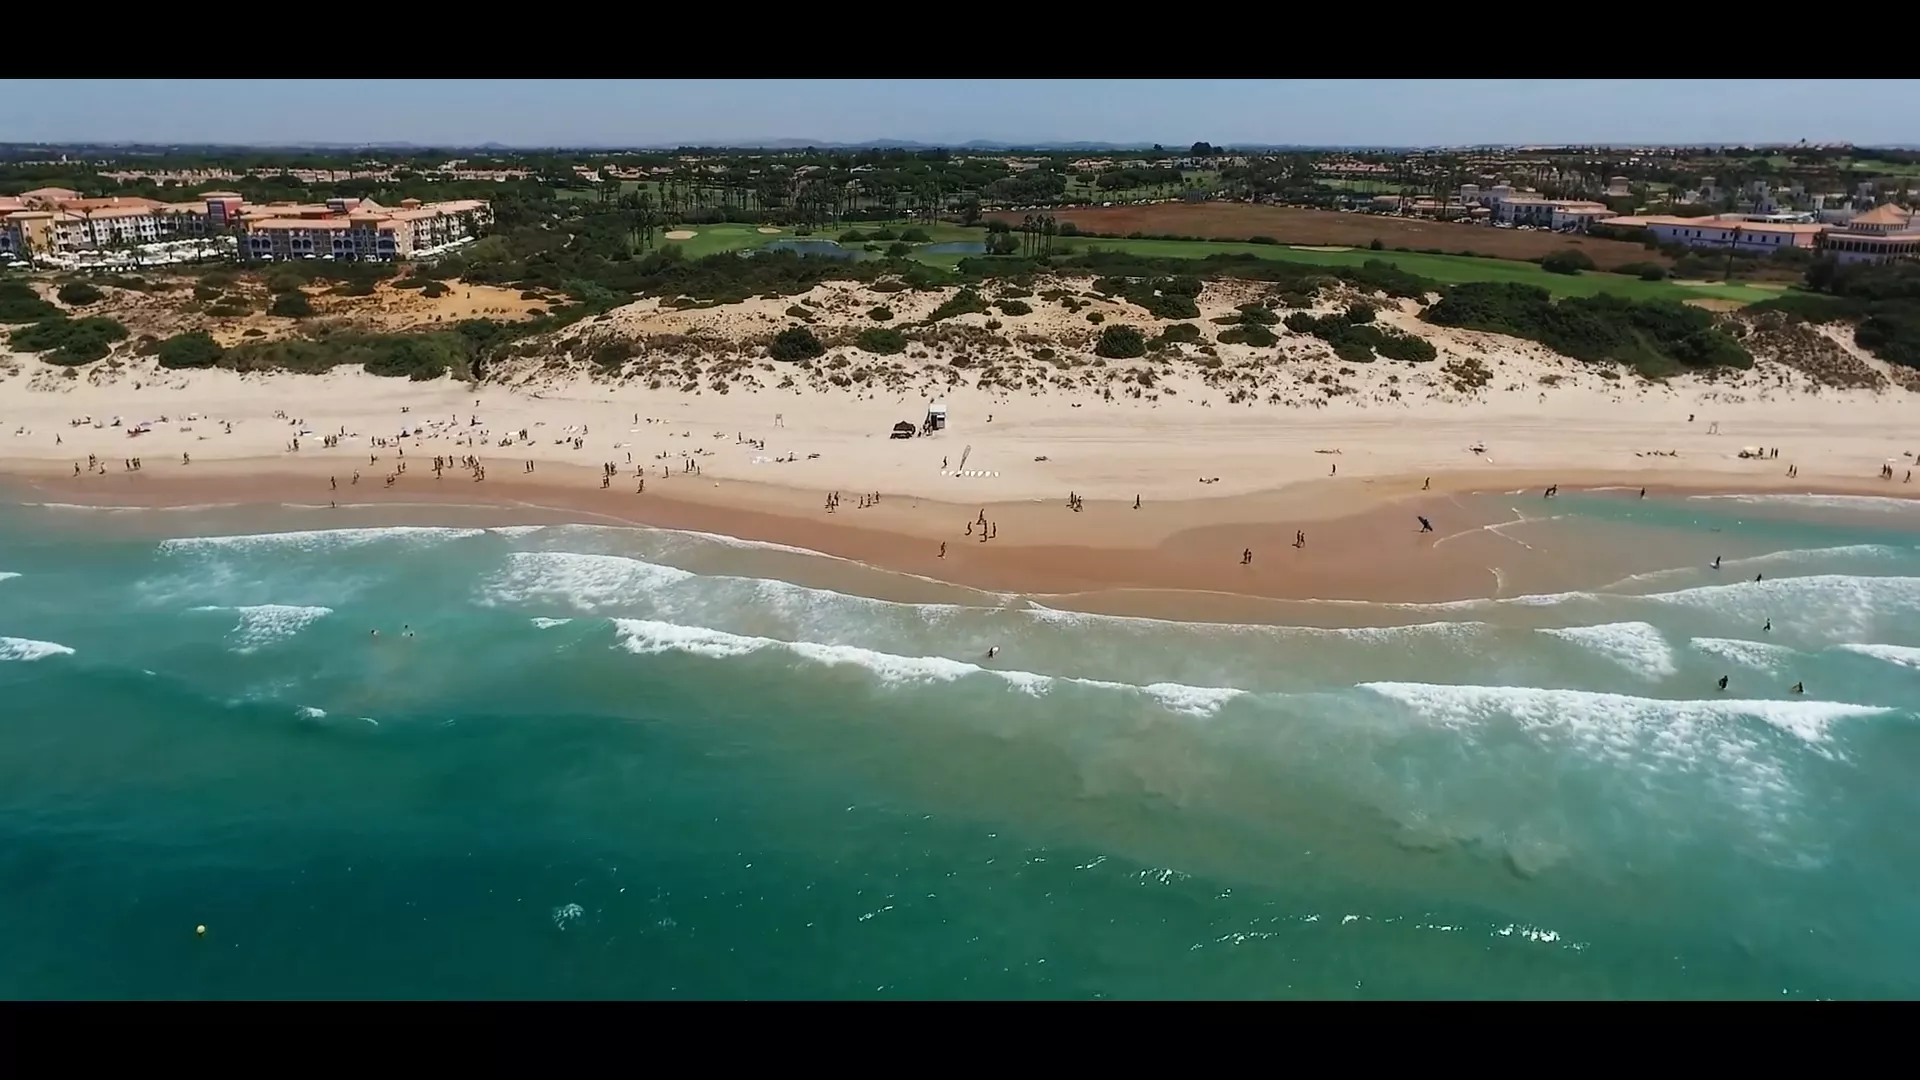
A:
{"points": [[1373, 112]]}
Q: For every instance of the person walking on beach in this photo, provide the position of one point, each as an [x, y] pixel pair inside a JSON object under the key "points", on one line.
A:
{"points": [[943, 549], [1136, 502], [1425, 525], [1427, 485], [1246, 557]]}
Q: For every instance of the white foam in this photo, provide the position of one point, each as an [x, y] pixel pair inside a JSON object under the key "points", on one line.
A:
{"points": [[1758, 655], [24, 649], [1903, 655], [587, 582], [264, 624], [1636, 646], [1836, 605], [1617, 724], [651, 637], [548, 624], [7, 575], [1789, 558], [317, 539], [1873, 503], [308, 712]]}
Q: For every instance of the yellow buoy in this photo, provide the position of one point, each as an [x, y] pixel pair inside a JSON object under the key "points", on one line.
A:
{"points": [[201, 930]]}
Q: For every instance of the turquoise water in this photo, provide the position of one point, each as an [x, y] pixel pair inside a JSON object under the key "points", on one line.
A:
{"points": [[637, 763]]}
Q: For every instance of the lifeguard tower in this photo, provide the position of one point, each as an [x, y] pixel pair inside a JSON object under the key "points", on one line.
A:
{"points": [[936, 418]]}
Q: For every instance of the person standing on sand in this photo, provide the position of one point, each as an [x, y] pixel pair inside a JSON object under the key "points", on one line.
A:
{"points": [[333, 483], [1428, 486], [1335, 470], [943, 549]]}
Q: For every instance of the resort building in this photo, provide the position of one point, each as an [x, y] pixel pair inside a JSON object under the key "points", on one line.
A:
{"points": [[1882, 234], [58, 221], [1552, 213], [1739, 234], [51, 220], [359, 230]]}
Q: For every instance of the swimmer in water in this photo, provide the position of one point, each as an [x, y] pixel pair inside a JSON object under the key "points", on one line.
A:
{"points": [[1723, 682], [373, 633]]}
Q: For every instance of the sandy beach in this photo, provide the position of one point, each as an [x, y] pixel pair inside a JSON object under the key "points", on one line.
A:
{"points": [[1212, 480]]}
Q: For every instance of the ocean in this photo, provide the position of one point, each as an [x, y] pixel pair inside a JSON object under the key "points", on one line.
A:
{"points": [[596, 762]]}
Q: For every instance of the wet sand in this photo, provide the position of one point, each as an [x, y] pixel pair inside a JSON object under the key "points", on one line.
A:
{"points": [[1175, 560]]}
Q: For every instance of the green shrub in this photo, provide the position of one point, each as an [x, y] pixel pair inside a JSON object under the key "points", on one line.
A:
{"points": [[883, 340], [414, 282], [897, 250], [1395, 345], [853, 236], [1096, 318], [1249, 334], [964, 302], [291, 305], [1180, 333], [1645, 271], [285, 280], [227, 309], [529, 294], [880, 314], [1656, 337], [888, 286], [69, 342], [193, 349], [914, 236], [1566, 262], [205, 293], [1360, 314], [1120, 342], [795, 311], [1257, 315], [433, 290], [1016, 307], [79, 294], [795, 343], [20, 304]]}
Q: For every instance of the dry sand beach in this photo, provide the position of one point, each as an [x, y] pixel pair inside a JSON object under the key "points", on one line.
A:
{"points": [[1225, 448]]}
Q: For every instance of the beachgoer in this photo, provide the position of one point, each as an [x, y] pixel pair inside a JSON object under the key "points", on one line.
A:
{"points": [[943, 549], [1799, 688], [1425, 525], [1723, 682], [1768, 627]]}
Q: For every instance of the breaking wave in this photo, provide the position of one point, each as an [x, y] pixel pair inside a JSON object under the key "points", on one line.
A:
{"points": [[25, 649]]}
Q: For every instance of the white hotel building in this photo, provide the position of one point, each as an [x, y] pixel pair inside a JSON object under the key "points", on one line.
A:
{"points": [[56, 220]]}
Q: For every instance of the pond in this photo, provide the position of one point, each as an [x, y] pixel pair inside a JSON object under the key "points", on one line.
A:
{"points": [[826, 248], [956, 247]]}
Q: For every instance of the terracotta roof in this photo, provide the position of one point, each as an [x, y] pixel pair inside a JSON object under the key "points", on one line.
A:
{"points": [[110, 213], [111, 202], [1886, 214], [50, 194]]}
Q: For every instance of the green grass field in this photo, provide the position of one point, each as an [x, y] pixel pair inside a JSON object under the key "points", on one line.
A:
{"points": [[732, 236], [1079, 192], [1446, 269]]}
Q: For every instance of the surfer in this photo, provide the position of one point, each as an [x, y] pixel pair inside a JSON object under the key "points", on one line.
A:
{"points": [[1425, 525], [1767, 627], [1799, 688], [1716, 562], [1723, 682], [993, 651]]}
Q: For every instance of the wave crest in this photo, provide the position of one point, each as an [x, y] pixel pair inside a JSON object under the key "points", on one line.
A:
{"points": [[27, 649]]}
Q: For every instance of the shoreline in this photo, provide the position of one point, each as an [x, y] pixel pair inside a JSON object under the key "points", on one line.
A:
{"points": [[1180, 560]]}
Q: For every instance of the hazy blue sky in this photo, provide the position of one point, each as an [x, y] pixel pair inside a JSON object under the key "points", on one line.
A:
{"points": [[1314, 112]]}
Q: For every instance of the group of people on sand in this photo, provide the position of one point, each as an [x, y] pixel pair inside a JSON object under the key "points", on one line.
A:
{"points": [[1886, 473]]}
